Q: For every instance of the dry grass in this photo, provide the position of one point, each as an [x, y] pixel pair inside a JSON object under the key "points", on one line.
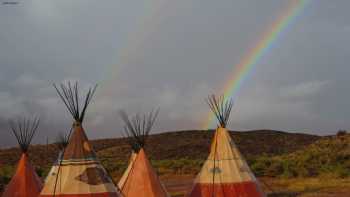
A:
{"points": [[310, 187]]}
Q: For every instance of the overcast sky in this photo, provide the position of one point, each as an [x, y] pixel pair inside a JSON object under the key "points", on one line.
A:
{"points": [[172, 54]]}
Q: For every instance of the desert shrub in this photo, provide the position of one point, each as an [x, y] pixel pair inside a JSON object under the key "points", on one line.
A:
{"points": [[342, 172], [341, 133], [275, 169], [260, 164], [40, 171], [289, 170], [6, 172], [177, 166], [115, 167]]}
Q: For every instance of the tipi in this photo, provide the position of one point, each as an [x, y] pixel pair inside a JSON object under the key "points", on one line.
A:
{"points": [[225, 173], [25, 182], [78, 173], [61, 142], [139, 179]]}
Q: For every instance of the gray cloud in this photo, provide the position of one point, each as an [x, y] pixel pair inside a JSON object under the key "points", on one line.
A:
{"points": [[172, 54]]}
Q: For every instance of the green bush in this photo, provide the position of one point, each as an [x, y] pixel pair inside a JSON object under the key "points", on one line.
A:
{"points": [[275, 169], [6, 172], [329, 157], [260, 165]]}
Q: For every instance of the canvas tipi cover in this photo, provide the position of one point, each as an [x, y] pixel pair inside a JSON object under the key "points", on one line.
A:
{"points": [[140, 179], [25, 182], [126, 173], [78, 173], [225, 173]]}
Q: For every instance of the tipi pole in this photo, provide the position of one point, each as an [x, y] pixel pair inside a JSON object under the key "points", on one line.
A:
{"points": [[59, 166]]}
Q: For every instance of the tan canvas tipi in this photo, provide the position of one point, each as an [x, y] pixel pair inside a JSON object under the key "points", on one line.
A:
{"points": [[225, 173], [25, 182], [78, 173], [140, 180]]}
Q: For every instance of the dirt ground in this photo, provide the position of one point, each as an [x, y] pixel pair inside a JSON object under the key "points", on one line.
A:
{"points": [[311, 187]]}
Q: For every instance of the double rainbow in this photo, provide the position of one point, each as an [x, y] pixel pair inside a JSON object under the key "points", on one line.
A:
{"points": [[241, 71]]}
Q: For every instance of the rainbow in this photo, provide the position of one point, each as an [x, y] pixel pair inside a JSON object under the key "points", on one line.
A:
{"points": [[242, 70], [147, 24]]}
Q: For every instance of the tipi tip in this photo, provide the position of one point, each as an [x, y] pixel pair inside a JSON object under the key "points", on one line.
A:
{"points": [[221, 107]]}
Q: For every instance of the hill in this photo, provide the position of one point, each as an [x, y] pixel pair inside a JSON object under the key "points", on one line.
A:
{"points": [[327, 157], [178, 144], [180, 152]]}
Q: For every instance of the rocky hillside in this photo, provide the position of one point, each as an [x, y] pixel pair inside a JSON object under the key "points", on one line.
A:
{"points": [[179, 144]]}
